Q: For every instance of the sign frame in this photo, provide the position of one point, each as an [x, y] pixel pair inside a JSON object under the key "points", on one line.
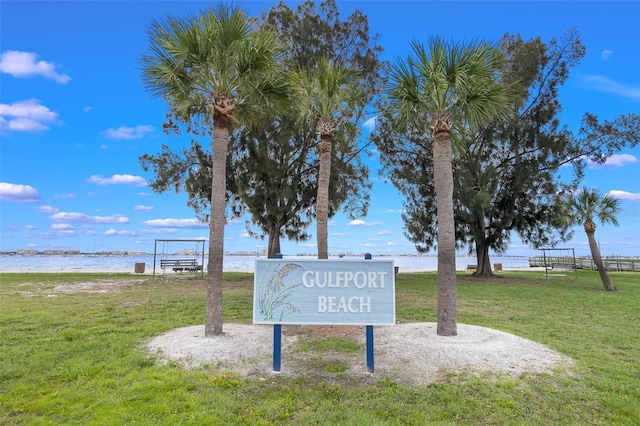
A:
{"points": [[324, 292]]}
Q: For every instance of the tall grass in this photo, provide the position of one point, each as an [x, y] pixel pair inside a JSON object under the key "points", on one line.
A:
{"points": [[72, 352]]}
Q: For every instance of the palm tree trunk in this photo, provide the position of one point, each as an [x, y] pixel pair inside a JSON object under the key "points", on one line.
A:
{"points": [[213, 316], [595, 253], [443, 182], [322, 207]]}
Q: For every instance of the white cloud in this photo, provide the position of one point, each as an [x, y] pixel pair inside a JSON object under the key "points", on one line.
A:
{"points": [[143, 208], [615, 161], [606, 54], [117, 180], [605, 84], [120, 233], [26, 116], [87, 109], [391, 243], [61, 226], [176, 223], [18, 193], [370, 124], [25, 64], [81, 217], [124, 132], [47, 209], [384, 233], [358, 222], [624, 195]]}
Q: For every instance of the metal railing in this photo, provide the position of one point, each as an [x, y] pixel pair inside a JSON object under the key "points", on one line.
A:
{"points": [[617, 264]]}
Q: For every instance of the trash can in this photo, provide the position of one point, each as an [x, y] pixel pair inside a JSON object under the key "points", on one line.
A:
{"points": [[497, 267], [139, 269]]}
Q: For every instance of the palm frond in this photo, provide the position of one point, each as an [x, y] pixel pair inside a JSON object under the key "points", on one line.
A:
{"points": [[459, 80], [588, 205], [327, 91], [220, 54]]}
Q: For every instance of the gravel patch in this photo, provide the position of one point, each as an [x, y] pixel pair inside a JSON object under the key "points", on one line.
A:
{"points": [[414, 353], [100, 286], [407, 353]]}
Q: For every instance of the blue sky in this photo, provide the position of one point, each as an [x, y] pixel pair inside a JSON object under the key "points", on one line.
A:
{"points": [[75, 117]]}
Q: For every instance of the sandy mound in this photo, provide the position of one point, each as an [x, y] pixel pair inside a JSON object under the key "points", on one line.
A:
{"points": [[407, 353]]}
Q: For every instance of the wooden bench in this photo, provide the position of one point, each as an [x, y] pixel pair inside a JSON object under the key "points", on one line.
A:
{"points": [[180, 265], [472, 267], [563, 266]]}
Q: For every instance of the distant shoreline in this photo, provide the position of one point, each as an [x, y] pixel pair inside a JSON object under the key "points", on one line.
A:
{"points": [[149, 271], [144, 264], [256, 255]]}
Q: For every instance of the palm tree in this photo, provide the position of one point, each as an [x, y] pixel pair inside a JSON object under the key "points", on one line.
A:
{"points": [[214, 70], [326, 94], [585, 207], [456, 87]]}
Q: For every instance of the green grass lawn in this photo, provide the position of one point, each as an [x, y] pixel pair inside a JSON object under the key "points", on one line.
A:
{"points": [[72, 352]]}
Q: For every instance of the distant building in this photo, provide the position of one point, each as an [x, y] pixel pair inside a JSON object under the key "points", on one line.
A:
{"points": [[53, 252], [27, 252]]}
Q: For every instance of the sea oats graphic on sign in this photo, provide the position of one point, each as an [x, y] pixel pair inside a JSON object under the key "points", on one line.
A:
{"points": [[275, 295]]}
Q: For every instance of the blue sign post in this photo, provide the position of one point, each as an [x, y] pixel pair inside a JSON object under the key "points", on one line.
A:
{"points": [[277, 338], [370, 362], [369, 332], [328, 292], [277, 346]]}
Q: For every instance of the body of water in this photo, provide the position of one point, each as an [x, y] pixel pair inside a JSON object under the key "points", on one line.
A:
{"points": [[90, 263]]}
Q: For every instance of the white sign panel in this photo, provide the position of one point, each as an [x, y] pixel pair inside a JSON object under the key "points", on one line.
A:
{"points": [[342, 292]]}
